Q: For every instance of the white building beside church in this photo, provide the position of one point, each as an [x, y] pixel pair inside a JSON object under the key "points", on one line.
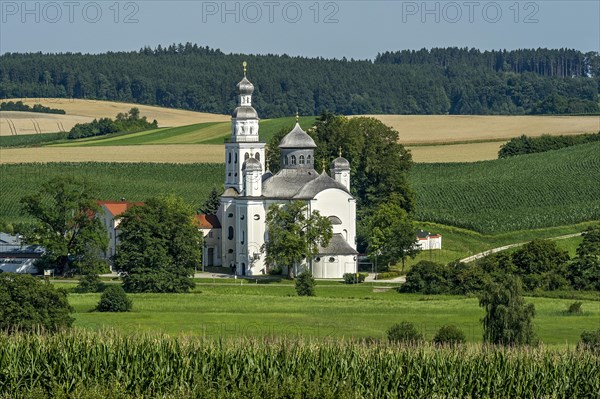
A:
{"points": [[250, 190]]}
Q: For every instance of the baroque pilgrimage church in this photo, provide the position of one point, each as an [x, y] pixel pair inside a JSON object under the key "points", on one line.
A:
{"points": [[250, 189], [234, 237]]}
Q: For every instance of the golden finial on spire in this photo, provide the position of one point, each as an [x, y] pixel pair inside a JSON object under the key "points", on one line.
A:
{"points": [[244, 64], [297, 116], [340, 151]]}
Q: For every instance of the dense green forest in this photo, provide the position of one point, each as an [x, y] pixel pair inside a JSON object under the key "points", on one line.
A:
{"points": [[436, 81]]}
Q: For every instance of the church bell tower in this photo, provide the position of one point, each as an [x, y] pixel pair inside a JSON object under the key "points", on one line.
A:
{"points": [[244, 142]]}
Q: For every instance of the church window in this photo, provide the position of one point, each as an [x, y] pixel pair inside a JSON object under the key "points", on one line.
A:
{"points": [[230, 215], [230, 235], [317, 259], [235, 158], [293, 160], [210, 234], [332, 259], [301, 159], [229, 158], [242, 240], [308, 160], [230, 251], [285, 160], [257, 217], [257, 156], [246, 156], [242, 217]]}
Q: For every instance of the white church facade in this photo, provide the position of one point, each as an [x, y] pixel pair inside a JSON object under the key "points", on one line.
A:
{"points": [[250, 189]]}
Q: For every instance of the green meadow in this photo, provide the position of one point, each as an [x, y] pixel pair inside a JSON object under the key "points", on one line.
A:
{"points": [[245, 309]]}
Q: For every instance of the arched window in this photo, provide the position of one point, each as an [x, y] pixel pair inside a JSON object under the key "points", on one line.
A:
{"points": [[308, 160], [229, 158], [230, 235], [301, 159], [285, 160], [293, 160], [242, 240], [235, 158], [257, 156], [246, 156]]}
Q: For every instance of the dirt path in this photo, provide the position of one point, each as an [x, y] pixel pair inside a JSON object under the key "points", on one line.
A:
{"points": [[499, 249]]}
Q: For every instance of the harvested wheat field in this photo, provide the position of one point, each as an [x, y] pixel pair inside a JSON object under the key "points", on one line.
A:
{"points": [[17, 122], [420, 129], [471, 152], [187, 153], [90, 109]]}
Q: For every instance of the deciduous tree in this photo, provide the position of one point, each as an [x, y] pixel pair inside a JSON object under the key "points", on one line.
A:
{"points": [[294, 234], [66, 225], [160, 246]]}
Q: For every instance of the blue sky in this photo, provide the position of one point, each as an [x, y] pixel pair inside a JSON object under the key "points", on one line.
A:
{"points": [[331, 29]]}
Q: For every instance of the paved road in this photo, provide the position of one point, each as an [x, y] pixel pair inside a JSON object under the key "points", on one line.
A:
{"points": [[499, 249]]}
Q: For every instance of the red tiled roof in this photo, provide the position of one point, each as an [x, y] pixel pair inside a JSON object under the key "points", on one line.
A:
{"points": [[208, 221], [118, 207]]}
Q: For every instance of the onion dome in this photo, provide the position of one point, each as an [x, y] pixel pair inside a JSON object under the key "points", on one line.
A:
{"points": [[245, 87], [297, 138], [244, 112]]}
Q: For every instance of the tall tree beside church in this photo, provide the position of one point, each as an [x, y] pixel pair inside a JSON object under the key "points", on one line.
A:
{"points": [[212, 203], [379, 164], [391, 235], [294, 235], [160, 246], [66, 226]]}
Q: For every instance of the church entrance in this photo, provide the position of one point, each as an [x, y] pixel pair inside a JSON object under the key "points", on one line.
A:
{"points": [[210, 256]]}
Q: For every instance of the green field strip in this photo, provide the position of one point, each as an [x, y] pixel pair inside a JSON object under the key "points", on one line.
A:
{"points": [[201, 133]]}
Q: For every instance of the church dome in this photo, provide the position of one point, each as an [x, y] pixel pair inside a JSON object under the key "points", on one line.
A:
{"points": [[340, 164], [244, 112], [245, 87], [252, 164], [297, 138]]}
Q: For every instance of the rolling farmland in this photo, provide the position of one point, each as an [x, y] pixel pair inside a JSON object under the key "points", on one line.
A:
{"points": [[533, 191], [82, 111], [442, 129], [521, 193]]}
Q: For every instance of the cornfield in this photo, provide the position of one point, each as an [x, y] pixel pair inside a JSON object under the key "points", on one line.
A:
{"points": [[525, 192], [107, 365], [112, 181]]}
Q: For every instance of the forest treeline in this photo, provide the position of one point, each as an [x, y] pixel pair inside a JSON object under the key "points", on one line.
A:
{"points": [[436, 81]]}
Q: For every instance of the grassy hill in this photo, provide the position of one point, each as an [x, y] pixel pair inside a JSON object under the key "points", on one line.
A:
{"points": [[526, 192], [201, 133]]}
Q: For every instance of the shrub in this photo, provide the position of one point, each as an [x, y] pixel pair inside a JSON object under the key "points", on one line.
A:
{"points": [[449, 335], [404, 332], [114, 299], [590, 340], [387, 275], [90, 283], [27, 304], [428, 278], [575, 308], [305, 284], [354, 278]]}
